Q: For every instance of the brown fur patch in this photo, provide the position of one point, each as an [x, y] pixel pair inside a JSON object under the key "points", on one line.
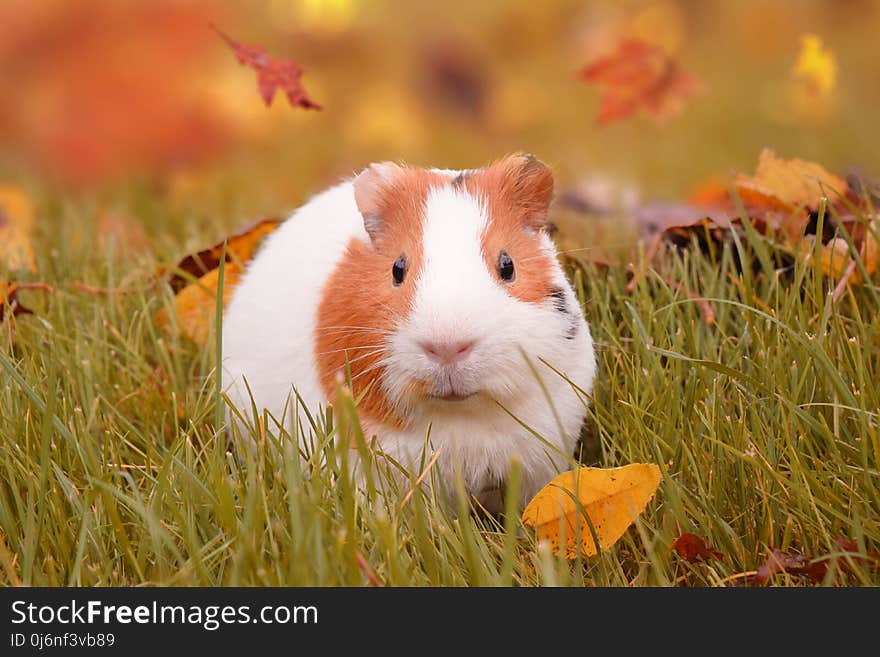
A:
{"points": [[360, 303], [517, 191]]}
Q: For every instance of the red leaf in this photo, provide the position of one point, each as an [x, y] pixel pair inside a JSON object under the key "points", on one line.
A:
{"points": [[792, 564], [272, 74], [869, 559], [693, 548], [636, 76]]}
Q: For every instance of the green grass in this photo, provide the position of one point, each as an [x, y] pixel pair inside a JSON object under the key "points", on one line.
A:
{"points": [[766, 426]]}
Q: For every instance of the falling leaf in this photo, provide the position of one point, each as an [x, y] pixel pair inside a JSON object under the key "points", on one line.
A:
{"points": [[694, 548], [611, 498], [195, 301], [272, 74], [16, 224], [816, 67], [640, 76]]}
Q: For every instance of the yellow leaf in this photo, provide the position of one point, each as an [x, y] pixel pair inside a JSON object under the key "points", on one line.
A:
{"points": [[612, 498], [816, 66], [16, 223], [195, 305], [835, 258], [195, 301]]}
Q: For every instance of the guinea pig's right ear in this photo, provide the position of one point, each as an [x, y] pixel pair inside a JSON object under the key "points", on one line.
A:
{"points": [[370, 188]]}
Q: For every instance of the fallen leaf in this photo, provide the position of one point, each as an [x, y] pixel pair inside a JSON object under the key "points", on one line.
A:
{"points": [[611, 498], [851, 548], [272, 74], [195, 305], [694, 548], [195, 301], [640, 76], [9, 297], [816, 67], [790, 183], [239, 247], [791, 564], [16, 224]]}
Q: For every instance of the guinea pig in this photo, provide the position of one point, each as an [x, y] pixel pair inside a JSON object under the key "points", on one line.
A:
{"points": [[439, 293]]}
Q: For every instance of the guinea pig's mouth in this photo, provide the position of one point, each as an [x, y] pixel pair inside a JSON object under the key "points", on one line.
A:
{"points": [[453, 397]]}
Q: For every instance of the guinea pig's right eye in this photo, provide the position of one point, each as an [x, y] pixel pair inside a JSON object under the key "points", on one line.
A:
{"points": [[398, 271]]}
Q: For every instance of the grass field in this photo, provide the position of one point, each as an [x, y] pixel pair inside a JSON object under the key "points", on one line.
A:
{"points": [[765, 426]]}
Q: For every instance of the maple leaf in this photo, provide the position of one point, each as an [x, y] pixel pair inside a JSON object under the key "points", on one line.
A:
{"points": [[693, 548], [272, 74], [640, 76]]}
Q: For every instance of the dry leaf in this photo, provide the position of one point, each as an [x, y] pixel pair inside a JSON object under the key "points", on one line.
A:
{"points": [[815, 570], [640, 76], [791, 182], [610, 497], [792, 564], [694, 548], [16, 224], [272, 74], [195, 305], [9, 299], [195, 301]]}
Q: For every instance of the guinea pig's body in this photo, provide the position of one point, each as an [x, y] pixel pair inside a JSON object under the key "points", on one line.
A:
{"points": [[440, 292]]}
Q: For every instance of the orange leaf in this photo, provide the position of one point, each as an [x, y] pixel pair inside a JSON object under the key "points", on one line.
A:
{"points": [[195, 302], [640, 76], [790, 183], [611, 498], [272, 74]]}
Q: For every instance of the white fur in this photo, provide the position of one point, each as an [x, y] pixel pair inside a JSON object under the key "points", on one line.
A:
{"points": [[268, 338]]}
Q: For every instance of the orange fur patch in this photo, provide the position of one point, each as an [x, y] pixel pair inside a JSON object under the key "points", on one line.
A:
{"points": [[517, 191], [360, 303]]}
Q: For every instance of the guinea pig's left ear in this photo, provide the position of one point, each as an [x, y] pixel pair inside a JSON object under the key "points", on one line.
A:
{"points": [[528, 187], [370, 189]]}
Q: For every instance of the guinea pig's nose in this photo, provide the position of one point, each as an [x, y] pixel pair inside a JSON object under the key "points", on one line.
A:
{"points": [[447, 352]]}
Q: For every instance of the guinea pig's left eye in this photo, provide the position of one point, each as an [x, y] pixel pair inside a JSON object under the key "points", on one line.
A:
{"points": [[398, 270], [505, 267]]}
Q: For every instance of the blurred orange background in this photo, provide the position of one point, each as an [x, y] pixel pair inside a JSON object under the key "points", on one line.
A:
{"points": [[104, 93]]}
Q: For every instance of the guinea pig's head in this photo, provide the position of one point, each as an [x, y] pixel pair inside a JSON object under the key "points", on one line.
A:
{"points": [[456, 287]]}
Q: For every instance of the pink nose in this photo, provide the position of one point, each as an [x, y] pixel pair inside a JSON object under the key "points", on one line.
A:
{"points": [[448, 353]]}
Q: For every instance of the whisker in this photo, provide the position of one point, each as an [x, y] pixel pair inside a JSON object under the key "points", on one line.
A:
{"points": [[353, 326], [352, 329], [367, 355], [375, 366], [336, 351]]}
